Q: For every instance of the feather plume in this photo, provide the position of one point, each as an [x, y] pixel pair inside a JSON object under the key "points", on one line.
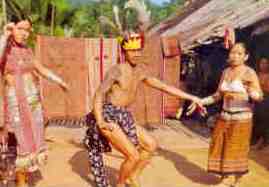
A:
{"points": [[106, 21], [141, 9], [117, 18]]}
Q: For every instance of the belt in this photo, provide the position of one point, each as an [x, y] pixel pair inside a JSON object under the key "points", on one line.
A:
{"points": [[236, 115], [235, 112]]}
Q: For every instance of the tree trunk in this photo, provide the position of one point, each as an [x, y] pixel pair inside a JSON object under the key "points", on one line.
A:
{"points": [[4, 11], [52, 20]]}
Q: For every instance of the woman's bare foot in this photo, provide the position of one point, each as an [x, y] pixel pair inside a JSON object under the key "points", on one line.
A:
{"points": [[237, 181], [227, 181]]}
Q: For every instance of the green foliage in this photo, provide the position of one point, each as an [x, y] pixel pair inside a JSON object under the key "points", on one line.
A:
{"points": [[81, 19], [159, 13], [85, 21]]}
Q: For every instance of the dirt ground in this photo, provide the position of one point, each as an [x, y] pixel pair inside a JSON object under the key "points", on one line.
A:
{"points": [[179, 162]]}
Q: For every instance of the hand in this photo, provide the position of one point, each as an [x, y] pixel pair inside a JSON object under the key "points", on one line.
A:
{"points": [[197, 104], [197, 100], [191, 108], [8, 29], [107, 126], [193, 105]]}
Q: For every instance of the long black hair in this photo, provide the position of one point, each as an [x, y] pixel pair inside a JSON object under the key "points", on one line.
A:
{"points": [[16, 19]]}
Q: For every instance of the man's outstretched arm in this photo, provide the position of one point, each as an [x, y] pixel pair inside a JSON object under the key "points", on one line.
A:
{"points": [[156, 83]]}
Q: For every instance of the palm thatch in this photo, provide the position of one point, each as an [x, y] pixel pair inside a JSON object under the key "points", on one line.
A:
{"points": [[203, 21]]}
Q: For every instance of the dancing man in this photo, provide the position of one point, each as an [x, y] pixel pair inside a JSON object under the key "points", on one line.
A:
{"points": [[111, 123]]}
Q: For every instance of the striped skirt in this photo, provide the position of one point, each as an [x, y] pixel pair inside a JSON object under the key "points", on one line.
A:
{"points": [[229, 148]]}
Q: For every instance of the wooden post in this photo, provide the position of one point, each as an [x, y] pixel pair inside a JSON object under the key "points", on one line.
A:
{"points": [[101, 58], [162, 76]]}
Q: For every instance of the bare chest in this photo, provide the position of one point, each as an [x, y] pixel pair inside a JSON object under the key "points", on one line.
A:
{"points": [[129, 79], [124, 91]]}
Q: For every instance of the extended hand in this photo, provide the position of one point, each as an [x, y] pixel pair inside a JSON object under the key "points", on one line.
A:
{"points": [[197, 105], [191, 108], [197, 100]]}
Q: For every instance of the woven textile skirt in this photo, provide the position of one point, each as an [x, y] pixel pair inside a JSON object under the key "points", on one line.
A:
{"points": [[229, 148]]}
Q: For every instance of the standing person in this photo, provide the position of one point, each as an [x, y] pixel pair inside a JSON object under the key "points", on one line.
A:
{"points": [[228, 152], [111, 123], [261, 117], [21, 110]]}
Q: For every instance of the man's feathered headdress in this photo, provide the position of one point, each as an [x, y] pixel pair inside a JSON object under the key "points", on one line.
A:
{"points": [[130, 39]]}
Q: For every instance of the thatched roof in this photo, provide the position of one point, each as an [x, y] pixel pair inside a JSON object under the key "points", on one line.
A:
{"points": [[203, 20]]}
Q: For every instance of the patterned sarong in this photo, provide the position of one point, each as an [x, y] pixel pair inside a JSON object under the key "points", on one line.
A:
{"points": [[228, 153], [96, 143]]}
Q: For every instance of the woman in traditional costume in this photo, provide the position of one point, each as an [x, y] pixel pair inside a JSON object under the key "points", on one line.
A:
{"points": [[21, 110], [229, 147]]}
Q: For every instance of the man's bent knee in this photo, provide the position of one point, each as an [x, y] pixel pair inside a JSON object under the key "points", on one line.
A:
{"points": [[152, 146]]}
